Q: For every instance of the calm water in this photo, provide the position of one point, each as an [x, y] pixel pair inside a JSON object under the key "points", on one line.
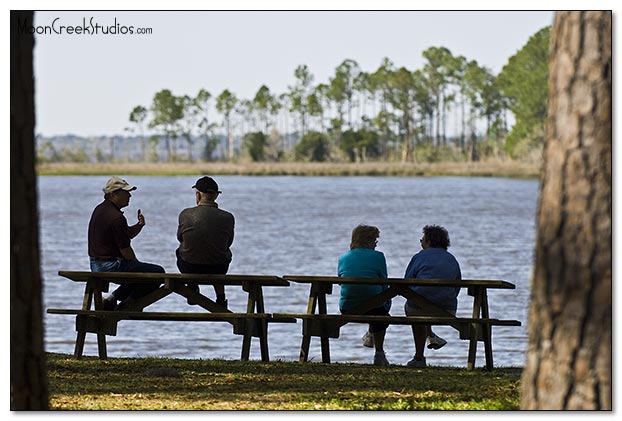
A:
{"points": [[300, 225]]}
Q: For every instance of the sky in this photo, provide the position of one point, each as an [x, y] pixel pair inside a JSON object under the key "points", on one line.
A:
{"points": [[88, 84]]}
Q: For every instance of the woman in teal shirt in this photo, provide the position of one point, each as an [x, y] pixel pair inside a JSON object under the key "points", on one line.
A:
{"points": [[363, 261]]}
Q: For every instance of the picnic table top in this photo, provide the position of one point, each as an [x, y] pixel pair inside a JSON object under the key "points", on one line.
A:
{"points": [[465, 283], [205, 279], [272, 280]]}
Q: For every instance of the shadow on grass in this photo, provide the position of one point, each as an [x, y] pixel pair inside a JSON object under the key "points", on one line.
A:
{"points": [[284, 385]]}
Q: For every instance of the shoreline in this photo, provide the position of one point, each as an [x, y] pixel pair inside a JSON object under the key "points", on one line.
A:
{"points": [[492, 168]]}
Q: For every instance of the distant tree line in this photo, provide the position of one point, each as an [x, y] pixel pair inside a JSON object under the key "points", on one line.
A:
{"points": [[392, 113]]}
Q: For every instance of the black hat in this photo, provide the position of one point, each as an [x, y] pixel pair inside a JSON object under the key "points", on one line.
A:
{"points": [[206, 184]]}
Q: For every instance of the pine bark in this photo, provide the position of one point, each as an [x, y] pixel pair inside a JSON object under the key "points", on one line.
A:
{"points": [[29, 390], [569, 356]]}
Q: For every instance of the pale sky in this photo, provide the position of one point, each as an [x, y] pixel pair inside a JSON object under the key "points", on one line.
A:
{"points": [[88, 84]]}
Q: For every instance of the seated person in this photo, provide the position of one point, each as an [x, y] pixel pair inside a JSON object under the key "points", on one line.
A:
{"points": [[363, 261], [205, 234], [432, 262], [109, 243]]}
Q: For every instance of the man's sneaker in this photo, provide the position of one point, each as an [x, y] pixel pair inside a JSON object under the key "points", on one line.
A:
{"points": [[368, 340], [380, 359], [436, 342], [417, 363]]}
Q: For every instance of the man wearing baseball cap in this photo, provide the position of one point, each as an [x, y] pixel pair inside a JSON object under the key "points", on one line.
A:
{"points": [[109, 239], [205, 235]]}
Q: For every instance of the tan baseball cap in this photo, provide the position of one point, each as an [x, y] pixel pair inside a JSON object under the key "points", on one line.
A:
{"points": [[116, 183]]}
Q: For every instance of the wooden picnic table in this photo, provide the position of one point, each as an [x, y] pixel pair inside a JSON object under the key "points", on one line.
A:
{"points": [[317, 321], [92, 317]]}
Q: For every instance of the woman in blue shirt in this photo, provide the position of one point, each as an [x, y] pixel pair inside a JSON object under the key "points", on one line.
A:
{"points": [[432, 262], [363, 261]]}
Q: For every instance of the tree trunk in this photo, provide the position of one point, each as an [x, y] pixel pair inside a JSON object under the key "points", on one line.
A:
{"points": [[113, 152], [167, 142], [29, 390], [444, 120], [569, 357], [189, 141], [229, 139], [462, 125], [143, 145], [437, 138]]}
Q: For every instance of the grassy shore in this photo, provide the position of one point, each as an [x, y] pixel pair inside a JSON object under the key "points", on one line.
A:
{"points": [[180, 384], [496, 168]]}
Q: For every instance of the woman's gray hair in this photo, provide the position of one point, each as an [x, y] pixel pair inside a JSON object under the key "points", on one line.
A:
{"points": [[364, 237], [204, 197]]}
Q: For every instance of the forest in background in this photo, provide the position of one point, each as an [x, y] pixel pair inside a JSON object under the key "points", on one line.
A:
{"points": [[391, 114]]}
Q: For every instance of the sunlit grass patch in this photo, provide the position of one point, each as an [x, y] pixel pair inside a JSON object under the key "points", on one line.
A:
{"points": [[135, 383]]}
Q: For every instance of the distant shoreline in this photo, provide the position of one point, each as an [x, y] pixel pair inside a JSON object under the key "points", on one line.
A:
{"points": [[493, 168]]}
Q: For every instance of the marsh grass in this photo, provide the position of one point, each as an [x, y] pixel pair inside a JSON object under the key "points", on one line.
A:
{"points": [[134, 384], [492, 168]]}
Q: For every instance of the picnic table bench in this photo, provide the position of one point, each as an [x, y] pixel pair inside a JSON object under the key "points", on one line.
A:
{"points": [[92, 317], [316, 322]]}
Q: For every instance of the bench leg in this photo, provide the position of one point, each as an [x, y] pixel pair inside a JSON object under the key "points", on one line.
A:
{"points": [[306, 339], [246, 347], [304, 349], [79, 349], [487, 330], [263, 341], [323, 339], [478, 294], [472, 348], [101, 346], [325, 350], [262, 328], [84, 325]]}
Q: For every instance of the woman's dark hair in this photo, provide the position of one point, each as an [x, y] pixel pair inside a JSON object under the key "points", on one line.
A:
{"points": [[437, 236]]}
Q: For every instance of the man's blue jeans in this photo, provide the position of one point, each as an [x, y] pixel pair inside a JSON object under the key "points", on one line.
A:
{"points": [[121, 265]]}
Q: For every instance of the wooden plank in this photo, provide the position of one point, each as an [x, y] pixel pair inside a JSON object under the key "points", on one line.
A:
{"points": [[149, 278], [354, 318], [189, 316], [132, 304], [378, 300], [465, 283], [281, 319], [164, 316], [200, 299]]}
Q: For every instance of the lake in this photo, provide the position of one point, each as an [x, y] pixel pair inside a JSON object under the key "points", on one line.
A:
{"points": [[300, 225]]}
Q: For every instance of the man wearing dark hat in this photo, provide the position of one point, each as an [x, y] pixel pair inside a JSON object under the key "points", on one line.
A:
{"points": [[110, 237], [205, 235]]}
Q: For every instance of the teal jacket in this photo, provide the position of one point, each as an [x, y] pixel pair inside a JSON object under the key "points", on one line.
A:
{"points": [[361, 263]]}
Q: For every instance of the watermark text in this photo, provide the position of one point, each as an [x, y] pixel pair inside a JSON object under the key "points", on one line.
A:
{"points": [[88, 26]]}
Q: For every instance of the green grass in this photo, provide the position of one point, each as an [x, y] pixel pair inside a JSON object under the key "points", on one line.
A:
{"points": [[127, 383]]}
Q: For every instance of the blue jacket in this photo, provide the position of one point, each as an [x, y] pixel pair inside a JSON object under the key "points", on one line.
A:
{"points": [[361, 263], [435, 263]]}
